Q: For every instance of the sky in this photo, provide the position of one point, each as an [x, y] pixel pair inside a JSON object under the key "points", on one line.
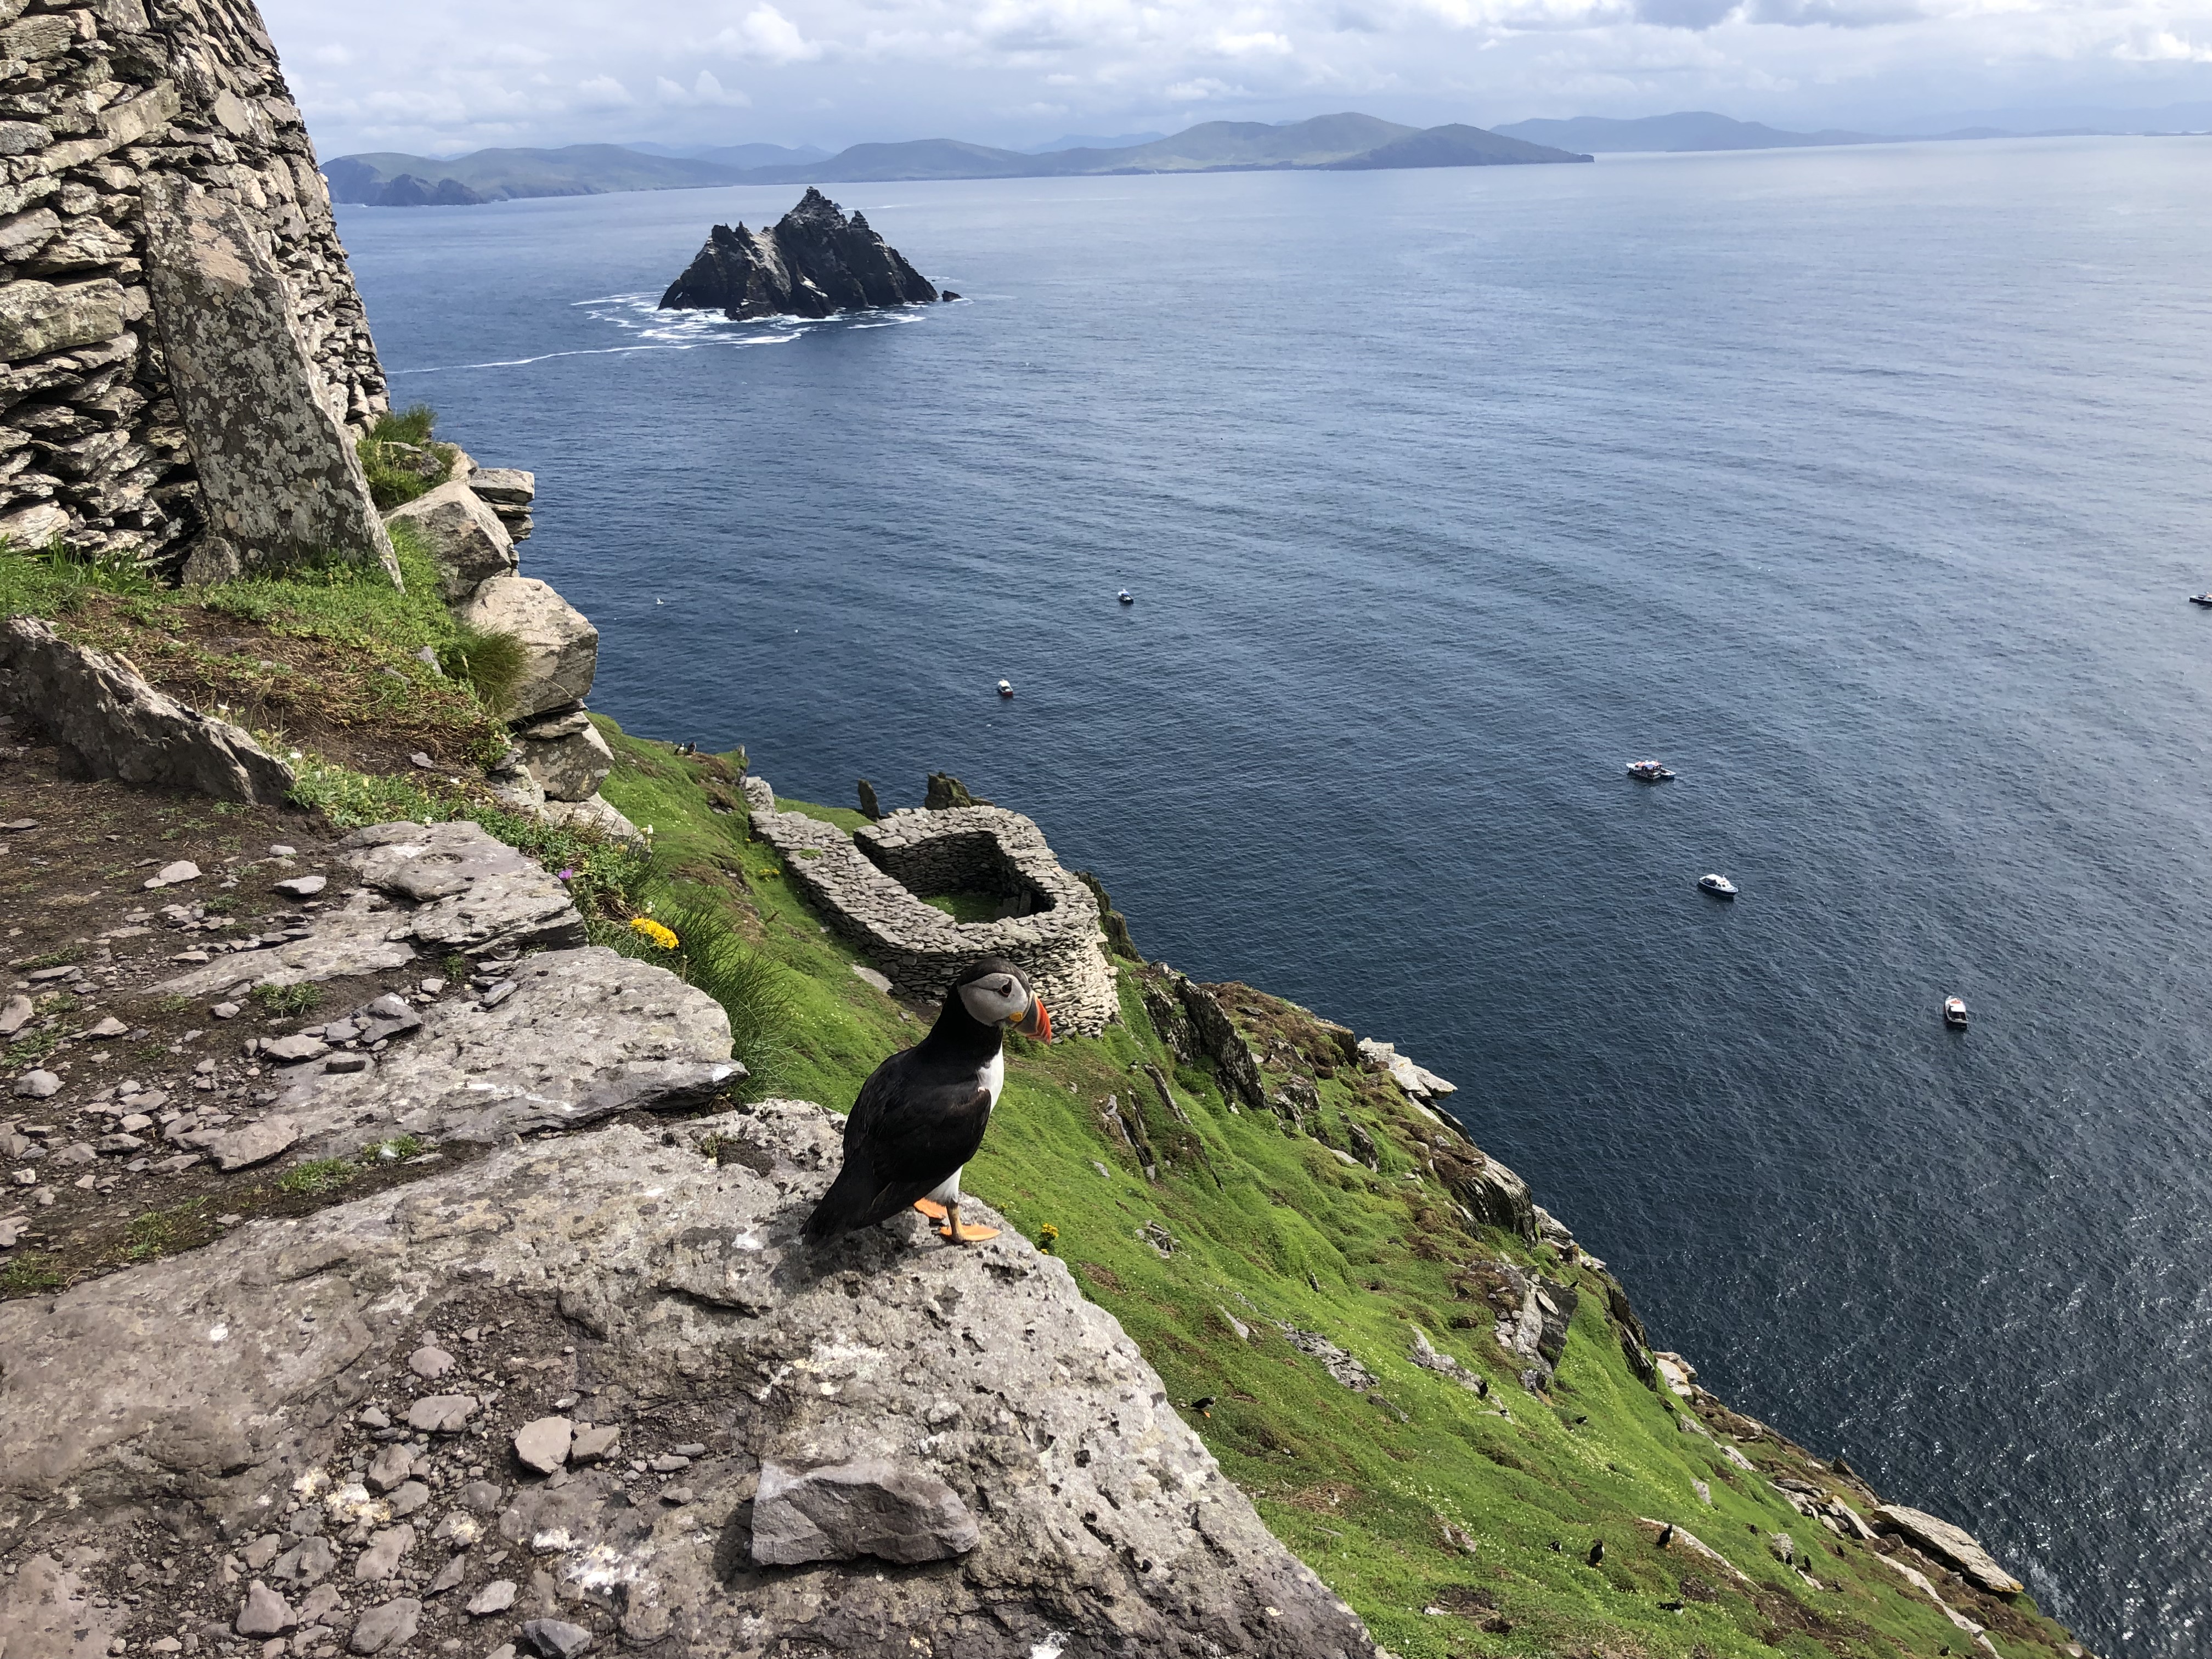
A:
{"points": [[442, 76]]}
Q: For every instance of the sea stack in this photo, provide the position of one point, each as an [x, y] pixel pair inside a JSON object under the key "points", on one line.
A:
{"points": [[815, 263]]}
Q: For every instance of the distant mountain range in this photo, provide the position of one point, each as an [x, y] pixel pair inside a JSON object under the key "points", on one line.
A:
{"points": [[1326, 142], [1701, 129], [1690, 131]]}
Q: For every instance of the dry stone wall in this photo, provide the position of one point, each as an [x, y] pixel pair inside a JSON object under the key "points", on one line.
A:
{"points": [[100, 101], [871, 885]]}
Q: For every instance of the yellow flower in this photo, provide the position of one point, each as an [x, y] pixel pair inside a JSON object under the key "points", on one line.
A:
{"points": [[1047, 1235], [653, 931]]}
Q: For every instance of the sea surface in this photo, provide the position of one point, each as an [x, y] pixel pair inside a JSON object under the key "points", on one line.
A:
{"points": [[1863, 487]]}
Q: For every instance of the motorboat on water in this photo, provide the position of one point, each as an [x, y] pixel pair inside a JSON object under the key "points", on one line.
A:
{"points": [[1005, 689], [1649, 772], [1718, 886], [2205, 599], [1954, 1012], [1126, 597]]}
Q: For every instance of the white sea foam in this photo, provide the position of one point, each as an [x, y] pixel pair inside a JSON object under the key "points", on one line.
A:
{"points": [[656, 330]]}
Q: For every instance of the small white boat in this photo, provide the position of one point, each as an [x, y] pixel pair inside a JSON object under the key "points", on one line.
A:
{"points": [[1954, 1012], [1126, 597], [1005, 689], [2205, 599], [1718, 886], [1649, 772]]}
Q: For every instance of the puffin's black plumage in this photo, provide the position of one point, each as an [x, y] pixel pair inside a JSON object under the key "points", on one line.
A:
{"points": [[921, 1113]]}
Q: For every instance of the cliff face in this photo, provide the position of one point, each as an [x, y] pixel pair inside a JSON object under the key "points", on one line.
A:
{"points": [[98, 103], [815, 263]]}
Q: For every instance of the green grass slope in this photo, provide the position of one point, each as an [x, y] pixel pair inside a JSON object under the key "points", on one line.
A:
{"points": [[1457, 1524]]}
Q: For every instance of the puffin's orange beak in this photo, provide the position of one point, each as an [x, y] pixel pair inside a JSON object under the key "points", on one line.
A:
{"points": [[1037, 1023]]}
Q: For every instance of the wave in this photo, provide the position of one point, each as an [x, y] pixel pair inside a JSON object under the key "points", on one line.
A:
{"points": [[679, 331]]}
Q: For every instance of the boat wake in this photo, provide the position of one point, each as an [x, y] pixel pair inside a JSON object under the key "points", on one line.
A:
{"points": [[654, 330]]}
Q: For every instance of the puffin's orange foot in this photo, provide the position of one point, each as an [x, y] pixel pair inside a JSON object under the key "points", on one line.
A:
{"points": [[967, 1235], [934, 1212]]}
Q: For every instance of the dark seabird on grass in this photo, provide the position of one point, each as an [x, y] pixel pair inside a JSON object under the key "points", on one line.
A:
{"points": [[921, 1113]]}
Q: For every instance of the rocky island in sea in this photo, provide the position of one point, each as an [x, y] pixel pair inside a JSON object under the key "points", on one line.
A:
{"points": [[817, 262]]}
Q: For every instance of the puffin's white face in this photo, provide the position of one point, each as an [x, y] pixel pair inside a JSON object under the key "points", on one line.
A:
{"points": [[996, 999]]}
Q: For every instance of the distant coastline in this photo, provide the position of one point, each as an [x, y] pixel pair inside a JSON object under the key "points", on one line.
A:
{"points": [[1346, 142]]}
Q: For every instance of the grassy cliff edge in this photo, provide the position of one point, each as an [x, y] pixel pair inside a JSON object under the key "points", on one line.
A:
{"points": [[1325, 1309]]}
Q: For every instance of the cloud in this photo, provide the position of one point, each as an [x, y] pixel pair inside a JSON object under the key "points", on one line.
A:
{"points": [[603, 92], [705, 92], [768, 35], [443, 76]]}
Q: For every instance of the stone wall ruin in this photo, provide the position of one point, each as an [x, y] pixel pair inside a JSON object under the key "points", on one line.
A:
{"points": [[104, 106], [869, 886]]}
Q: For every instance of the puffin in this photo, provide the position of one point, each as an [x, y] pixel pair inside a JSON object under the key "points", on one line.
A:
{"points": [[921, 1113]]}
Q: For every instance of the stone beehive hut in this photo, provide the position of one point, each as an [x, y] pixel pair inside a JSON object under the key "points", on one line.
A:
{"points": [[173, 300], [871, 887]]}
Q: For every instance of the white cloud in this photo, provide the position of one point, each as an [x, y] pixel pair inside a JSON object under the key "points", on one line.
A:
{"points": [[603, 92], [442, 76], [767, 35]]}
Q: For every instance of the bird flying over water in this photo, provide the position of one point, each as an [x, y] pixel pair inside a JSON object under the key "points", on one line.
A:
{"points": [[921, 1113]]}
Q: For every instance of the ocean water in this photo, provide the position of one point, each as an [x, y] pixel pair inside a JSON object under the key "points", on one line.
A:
{"points": [[1863, 487]]}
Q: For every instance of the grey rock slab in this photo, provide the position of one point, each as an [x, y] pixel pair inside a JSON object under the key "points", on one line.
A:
{"points": [[215, 1372], [543, 1444], [37, 318], [457, 890], [37, 1084], [392, 1466], [555, 1638], [442, 1413], [502, 486], [279, 481], [303, 887], [407, 1497], [497, 1596], [1953, 1546], [113, 723], [463, 537], [585, 1033], [560, 646], [429, 1361], [594, 1441], [291, 1050], [15, 1014], [252, 1143], [570, 767], [875, 1506], [263, 1613], [381, 1558], [170, 875], [455, 1570], [391, 1626], [305, 1562]]}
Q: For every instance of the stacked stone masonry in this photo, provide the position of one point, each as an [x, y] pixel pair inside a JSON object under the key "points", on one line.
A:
{"points": [[870, 887], [97, 100]]}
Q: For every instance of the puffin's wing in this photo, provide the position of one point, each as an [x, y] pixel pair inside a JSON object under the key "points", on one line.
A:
{"points": [[903, 1137]]}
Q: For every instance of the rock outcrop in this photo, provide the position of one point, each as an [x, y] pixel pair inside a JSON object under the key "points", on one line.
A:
{"points": [[560, 646], [280, 484], [108, 108], [844, 1410], [815, 263], [466, 539], [113, 724]]}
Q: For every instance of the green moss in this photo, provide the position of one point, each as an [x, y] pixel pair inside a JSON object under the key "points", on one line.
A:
{"points": [[967, 907], [158, 1233], [319, 1174], [284, 1000], [29, 1272]]}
